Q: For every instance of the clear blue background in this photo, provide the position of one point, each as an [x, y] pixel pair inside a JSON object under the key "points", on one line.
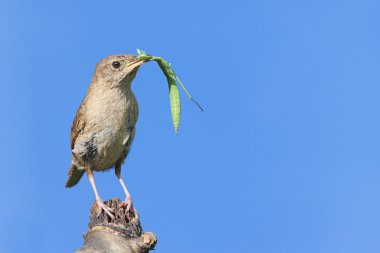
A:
{"points": [[285, 157]]}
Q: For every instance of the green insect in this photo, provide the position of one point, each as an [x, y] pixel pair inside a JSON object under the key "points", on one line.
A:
{"points": [[175, 103]]}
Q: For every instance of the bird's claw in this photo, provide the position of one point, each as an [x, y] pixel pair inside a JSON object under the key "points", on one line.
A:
{"points": [[127, 203], [103, 207]]}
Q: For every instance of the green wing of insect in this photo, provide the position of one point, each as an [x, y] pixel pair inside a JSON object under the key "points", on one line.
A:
{"points": [[175, 103]]}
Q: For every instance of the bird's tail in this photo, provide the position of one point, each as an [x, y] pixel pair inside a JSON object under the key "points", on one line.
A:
{"points": [[74, 176]]}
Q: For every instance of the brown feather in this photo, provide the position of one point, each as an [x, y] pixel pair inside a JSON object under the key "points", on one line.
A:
{"points": [[78, 125], [74, 176]]}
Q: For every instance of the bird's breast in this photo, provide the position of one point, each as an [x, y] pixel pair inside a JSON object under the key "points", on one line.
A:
{"points": [[115, 108], [113, 117]]}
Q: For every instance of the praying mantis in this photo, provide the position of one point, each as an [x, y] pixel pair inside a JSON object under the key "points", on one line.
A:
{"points": [[172, 79]]}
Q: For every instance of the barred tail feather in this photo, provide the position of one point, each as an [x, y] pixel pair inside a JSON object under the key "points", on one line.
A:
{"points": [[74, 176]]}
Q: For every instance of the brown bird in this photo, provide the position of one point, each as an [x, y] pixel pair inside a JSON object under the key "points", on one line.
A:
{"points": [[104, 125]]}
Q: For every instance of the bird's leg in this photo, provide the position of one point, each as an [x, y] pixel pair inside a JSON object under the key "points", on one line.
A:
{"points": [[99, 201], [128, 199]]}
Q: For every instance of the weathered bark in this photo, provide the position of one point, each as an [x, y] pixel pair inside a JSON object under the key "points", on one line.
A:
{"points": [[121, 235]]}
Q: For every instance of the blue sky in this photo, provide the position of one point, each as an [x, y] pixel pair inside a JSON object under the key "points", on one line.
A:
{"points": [[285, 157]]}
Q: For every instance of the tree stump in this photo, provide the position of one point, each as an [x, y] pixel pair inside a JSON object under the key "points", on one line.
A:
{"points": [[120, 235]]}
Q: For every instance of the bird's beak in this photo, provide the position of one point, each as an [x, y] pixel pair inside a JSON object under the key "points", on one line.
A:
{"points": [[134, 65]]}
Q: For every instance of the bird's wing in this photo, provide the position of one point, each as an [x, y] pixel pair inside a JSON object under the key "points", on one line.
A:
{"points": [[78, 126]]}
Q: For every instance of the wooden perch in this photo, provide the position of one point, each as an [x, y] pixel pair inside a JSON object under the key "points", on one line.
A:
{"points": [[121, 235]]}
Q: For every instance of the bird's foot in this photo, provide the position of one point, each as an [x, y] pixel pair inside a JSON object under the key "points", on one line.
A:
{"points": [[127, 203], [103, 207]]}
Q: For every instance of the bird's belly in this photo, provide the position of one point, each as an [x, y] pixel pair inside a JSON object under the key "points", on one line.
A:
{"points": [[108, 134], [111, 146]]}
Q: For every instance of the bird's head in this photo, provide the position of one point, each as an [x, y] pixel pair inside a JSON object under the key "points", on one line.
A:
{"points": [[117, 70]]}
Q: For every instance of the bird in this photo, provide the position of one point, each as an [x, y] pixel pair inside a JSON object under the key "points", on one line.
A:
{"points": [[104, 125]]}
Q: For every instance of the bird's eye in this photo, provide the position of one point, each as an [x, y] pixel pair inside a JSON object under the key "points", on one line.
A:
{"points": [[116, 64]]}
